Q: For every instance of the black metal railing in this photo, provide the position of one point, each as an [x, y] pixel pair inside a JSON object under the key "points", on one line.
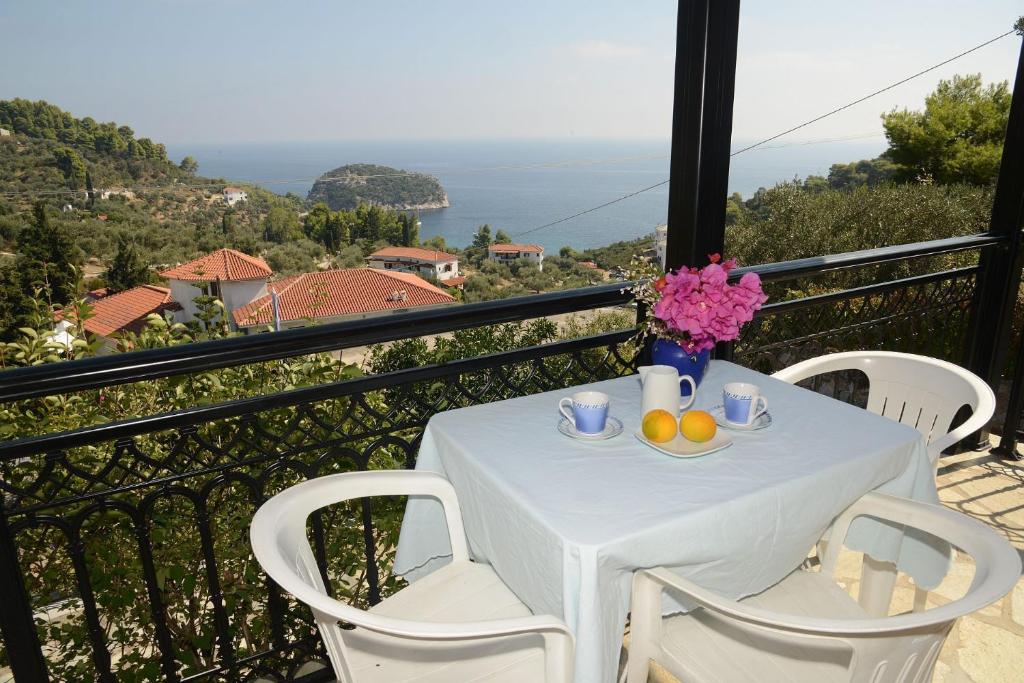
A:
{"points": [[123, 546]]}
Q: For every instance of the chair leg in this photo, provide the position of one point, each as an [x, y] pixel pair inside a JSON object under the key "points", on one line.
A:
{"points": [[920, 599], [644, 628], [877, 581]]}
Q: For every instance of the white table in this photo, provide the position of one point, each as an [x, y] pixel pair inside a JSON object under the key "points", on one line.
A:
{"points": [[565, 523]]}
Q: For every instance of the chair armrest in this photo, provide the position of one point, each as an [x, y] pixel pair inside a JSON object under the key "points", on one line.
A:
{"points": [[791, 623], [983, 412]]}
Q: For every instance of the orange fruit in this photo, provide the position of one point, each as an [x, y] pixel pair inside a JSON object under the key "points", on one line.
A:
{"points": [[659, 426], [697, 425]]}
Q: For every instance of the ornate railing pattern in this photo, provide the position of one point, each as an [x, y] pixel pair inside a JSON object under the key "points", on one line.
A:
{"points": [[156, 508]]}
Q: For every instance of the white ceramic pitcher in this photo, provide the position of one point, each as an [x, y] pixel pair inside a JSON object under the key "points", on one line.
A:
{"points": [[661, 389]]}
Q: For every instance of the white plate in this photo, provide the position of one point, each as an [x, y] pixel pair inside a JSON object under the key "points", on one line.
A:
{"points": [[612, 427], [762, 421], [680, 447]]}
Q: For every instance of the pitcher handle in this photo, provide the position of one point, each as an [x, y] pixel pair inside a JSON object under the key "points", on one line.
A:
{"points": [[693, 392], [567, 415]]}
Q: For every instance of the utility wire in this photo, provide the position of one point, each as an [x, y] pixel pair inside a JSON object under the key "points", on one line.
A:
{"points": [[877, 92], [788, 131]]}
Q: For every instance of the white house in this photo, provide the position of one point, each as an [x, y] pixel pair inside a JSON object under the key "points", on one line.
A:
{"points": [[506, 253], [233, 195], [423, 262], [233, 277], [4, 133], [661, 243], [116, 192]]}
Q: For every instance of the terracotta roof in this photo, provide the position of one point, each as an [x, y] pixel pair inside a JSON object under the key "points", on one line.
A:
{"points": [[509, 248], [432, 255], [223, 264], [588, 264], [332, 293], [456, 281], [98, 293], [127, 310], [233, 189]]}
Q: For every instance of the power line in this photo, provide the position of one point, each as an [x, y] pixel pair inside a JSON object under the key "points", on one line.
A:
{"points": [[788, 131], [877, 92], [586, 211]]}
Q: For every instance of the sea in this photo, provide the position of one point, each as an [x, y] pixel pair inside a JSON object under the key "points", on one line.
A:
{"points": [[524, 187]]}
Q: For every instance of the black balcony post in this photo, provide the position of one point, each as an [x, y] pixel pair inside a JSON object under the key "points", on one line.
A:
{"points": [[1000, 265], [716, 130], [705, 80], [687, 108], [16, 622]]}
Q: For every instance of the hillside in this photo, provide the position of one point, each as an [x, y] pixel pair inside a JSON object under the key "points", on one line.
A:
{"points": [[101, 181], [349, 186]]}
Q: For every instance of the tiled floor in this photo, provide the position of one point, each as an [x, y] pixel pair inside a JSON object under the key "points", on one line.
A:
{"points": [[986, 647]]}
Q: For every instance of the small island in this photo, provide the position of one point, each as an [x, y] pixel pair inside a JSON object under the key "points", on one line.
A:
{"points": [[349, 186]]}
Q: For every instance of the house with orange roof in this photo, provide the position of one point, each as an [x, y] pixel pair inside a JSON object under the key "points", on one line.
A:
{"points": [[430, 263], [336, 295], [231, 276], [116, 314], [506, 253]]}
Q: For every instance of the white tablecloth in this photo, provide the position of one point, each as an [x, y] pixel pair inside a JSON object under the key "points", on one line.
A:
{"points": [[565, 523]]}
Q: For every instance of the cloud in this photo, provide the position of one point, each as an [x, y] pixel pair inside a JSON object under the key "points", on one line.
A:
{"points": [[607, 50]]}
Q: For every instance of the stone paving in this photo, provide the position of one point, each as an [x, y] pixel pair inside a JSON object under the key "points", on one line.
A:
{"points": [[988, 646]]}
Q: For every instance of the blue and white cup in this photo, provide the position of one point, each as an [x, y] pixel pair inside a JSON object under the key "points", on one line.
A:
{"points": [[743, 403], [587, 411]]}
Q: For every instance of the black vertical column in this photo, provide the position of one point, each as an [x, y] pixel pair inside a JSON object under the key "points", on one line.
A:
{"points": [[1000, 271], [687, 109], [705, 81]]}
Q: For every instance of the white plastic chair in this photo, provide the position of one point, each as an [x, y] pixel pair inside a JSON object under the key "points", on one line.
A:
{"points": [[807, 628], [924, 393], [459, 623]]}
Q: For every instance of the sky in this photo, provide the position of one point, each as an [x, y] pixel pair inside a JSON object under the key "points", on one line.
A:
{"points": [[184, 71]]}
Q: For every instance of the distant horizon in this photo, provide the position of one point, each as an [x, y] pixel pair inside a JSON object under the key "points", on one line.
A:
{"points": [[195, 72]]}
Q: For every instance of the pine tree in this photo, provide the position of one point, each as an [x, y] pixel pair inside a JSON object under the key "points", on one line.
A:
{"points": [[127, 270], [46, 258]]}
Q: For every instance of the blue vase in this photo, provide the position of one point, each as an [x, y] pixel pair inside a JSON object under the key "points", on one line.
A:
{"points": [[695, 365]]}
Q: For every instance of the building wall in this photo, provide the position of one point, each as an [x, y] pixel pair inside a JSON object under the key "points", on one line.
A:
{"points": [[440, 271], [184, 292], [532, 256], [234, 294], [238, 293]]}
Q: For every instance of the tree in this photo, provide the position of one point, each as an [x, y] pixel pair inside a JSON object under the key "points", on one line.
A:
{"points": [[957, 138], [127, 269], [71, 165], [482, 237], [46, 258], [227, 228], [189, 165], [281, 225], [870, 172], [411, 230], [501, 237]]}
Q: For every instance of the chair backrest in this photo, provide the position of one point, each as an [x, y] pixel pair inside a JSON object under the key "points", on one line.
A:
{"points": [[924, 393], [896, 649], [280, 544]]}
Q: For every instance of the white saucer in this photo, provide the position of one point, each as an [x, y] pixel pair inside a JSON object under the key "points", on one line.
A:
{"points": [[680, 447], [612, 427], [762, 421]]}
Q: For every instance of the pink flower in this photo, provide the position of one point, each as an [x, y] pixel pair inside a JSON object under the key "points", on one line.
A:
{"points": [[703, 308]]}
